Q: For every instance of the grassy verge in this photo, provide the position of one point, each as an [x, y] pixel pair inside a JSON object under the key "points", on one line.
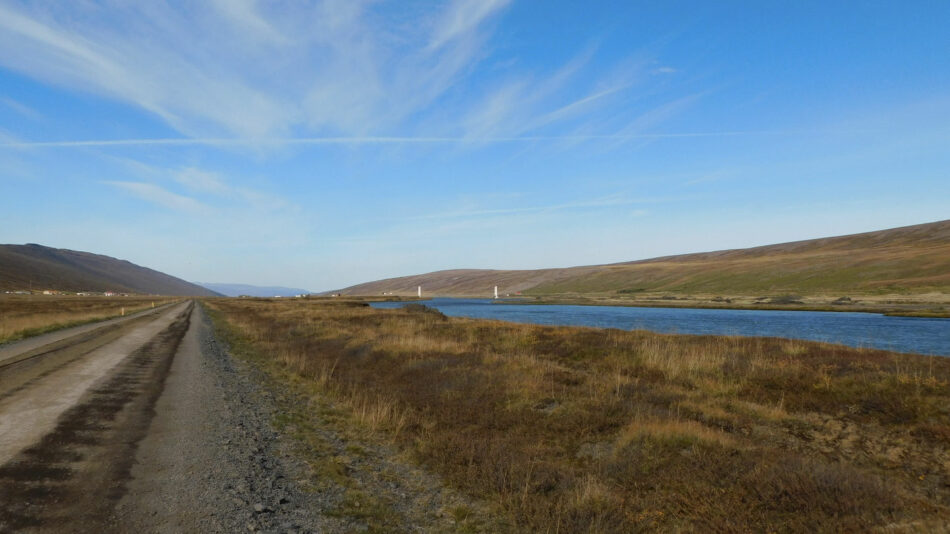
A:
{"points": [[350, 458], [23, 317], [575, 429]]}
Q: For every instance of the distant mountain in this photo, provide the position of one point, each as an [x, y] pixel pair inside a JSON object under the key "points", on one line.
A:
{"points": [[913, 259], [236, 290], [39, 267]]}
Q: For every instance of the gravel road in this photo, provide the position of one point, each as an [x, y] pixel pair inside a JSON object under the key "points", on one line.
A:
{"points": [[211, 462], [151, 430]]}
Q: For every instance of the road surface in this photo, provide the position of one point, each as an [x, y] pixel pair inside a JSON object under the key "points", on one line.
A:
{"points": [[140, 425]]}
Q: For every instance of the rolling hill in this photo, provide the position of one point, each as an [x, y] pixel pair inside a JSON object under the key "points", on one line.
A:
{"points": [[39, 267], [911, 259]]}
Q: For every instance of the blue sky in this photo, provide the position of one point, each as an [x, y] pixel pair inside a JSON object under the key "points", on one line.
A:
{"points": [[323, 144]]}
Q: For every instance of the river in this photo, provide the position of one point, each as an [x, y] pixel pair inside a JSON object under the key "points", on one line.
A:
{"points": [[901, 334]]}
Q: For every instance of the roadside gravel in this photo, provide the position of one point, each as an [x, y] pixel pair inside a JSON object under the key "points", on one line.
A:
{"points": [[348, 474], [211, 461]]}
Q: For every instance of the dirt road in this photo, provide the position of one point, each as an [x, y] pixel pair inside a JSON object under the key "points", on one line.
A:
{"points": [[140, 425]]}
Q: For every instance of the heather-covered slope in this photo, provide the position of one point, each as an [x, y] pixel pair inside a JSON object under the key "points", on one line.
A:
{"points": [[39, 267], [912, 259]]}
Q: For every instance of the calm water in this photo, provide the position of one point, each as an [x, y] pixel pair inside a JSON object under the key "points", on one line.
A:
{"points": [[902, 334]]}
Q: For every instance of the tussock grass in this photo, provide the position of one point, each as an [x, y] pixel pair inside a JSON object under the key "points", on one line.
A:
{"points": [[672, 430], [587, 430], [26, 316]]}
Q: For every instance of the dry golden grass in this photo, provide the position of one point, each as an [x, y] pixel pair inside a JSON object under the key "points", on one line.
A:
{"points": [[25, 316], [587, 430], [641, 428]]}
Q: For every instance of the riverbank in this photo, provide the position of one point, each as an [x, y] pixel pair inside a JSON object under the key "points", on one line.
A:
{"points": [[928, 305], [583, 429]]}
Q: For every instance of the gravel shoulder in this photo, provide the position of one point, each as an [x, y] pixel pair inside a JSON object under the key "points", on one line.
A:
{"points": [[338, 474], [210, 461]]}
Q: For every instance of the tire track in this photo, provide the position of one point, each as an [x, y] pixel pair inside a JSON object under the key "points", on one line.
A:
{"points": [[17, 374], [71, 479]]}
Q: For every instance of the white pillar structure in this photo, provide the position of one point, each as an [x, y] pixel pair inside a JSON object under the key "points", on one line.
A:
{"points": [[420, 291], [496, 292]]}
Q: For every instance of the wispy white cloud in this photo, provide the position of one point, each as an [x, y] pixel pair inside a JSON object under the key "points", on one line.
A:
{"points": [[525, 103], [243, 72], [245, 15], [20, 108], [638, 127], [212, 190], [14, 143], [461, 18], [228, 213], [160, 196], [576, 107], [137, 61], [239, 68], [201, 181]]}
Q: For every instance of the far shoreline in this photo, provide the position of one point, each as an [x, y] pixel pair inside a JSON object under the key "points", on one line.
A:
{"points": [[910, 309]]}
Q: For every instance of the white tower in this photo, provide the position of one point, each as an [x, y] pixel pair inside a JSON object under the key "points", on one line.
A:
{"points": [[496, 292], [420, 291]]}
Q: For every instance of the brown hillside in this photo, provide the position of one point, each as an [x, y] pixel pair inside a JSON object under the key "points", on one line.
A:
{"points": [[23, 266], [912, 259]]}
